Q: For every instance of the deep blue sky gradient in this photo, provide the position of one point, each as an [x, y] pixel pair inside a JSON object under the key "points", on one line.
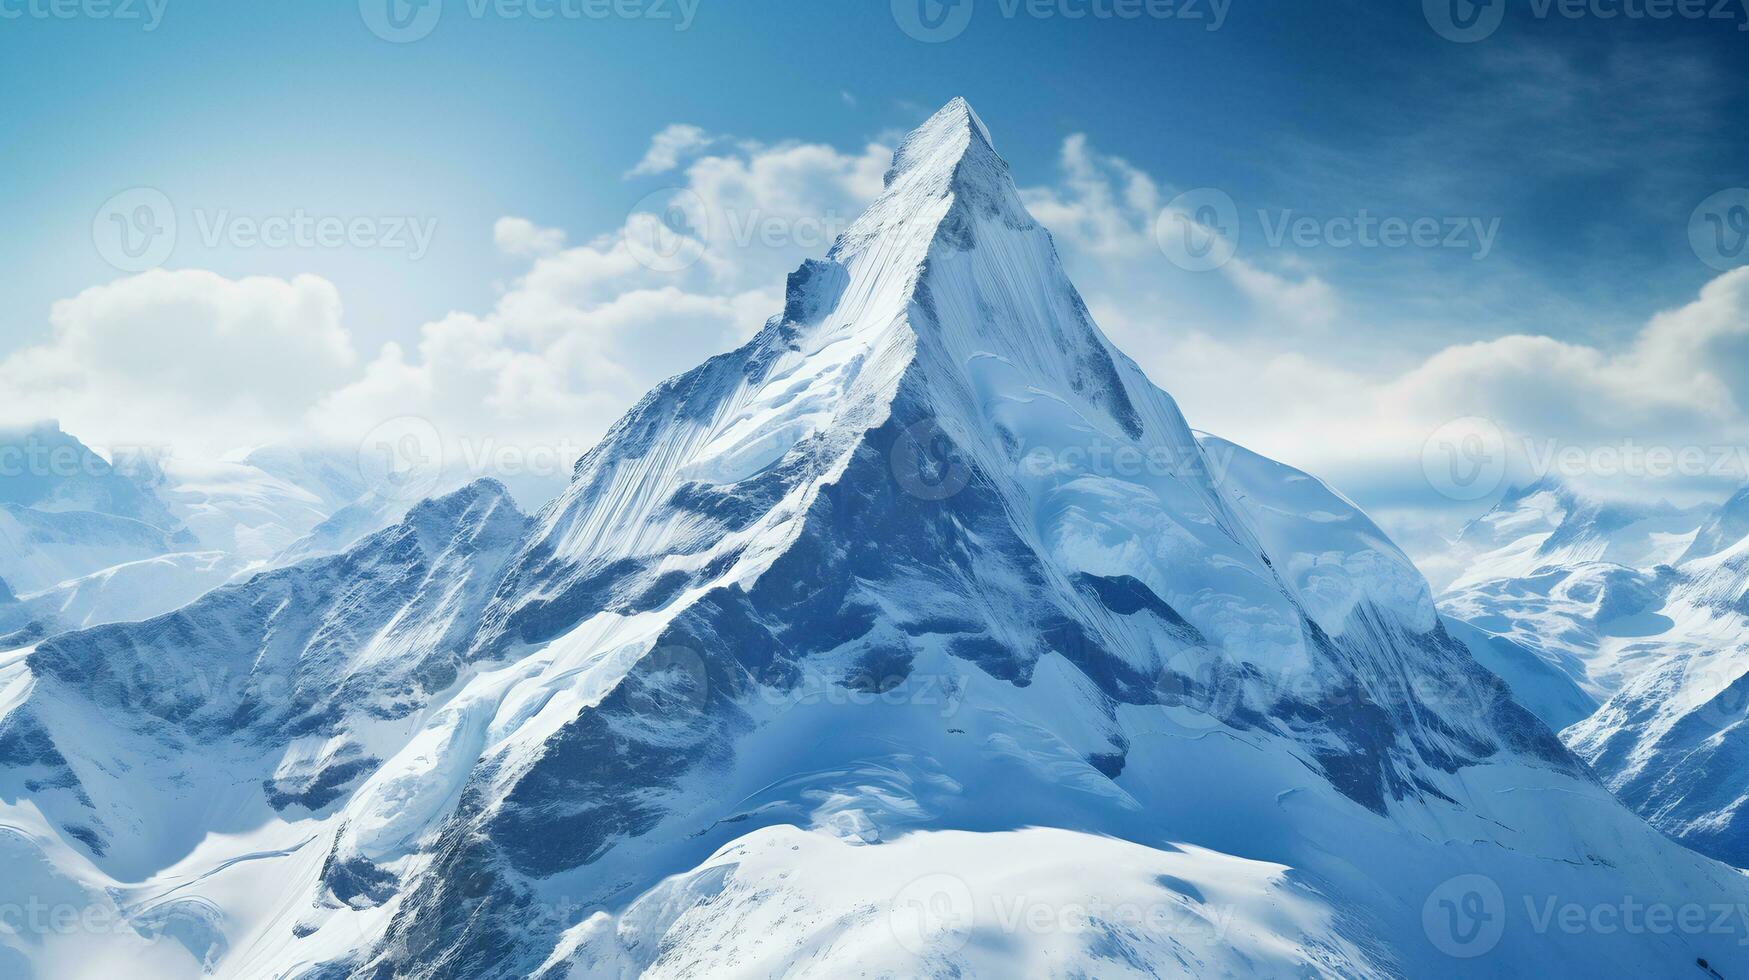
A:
{"points": [[1324, 107]]}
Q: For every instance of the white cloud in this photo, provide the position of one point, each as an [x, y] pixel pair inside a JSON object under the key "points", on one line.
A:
{"points": [[1106, 209], [522, 238], [1297, 382], [1671, 385], [588, 327], [187, 354], [1309, 302], [1674, 382], [208, 363], [668, 148], [1102, 206], [781, 203]]}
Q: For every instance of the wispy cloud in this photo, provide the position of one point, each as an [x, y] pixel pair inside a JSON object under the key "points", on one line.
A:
{"points": [[668, 148], [522, 238]]}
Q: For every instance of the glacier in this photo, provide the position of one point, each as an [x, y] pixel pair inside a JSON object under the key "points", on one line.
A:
{"points": [[920, 636]]}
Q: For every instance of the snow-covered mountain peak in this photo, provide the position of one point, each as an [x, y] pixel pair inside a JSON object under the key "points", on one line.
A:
{"points": [[952, 144], [466, 505], [1728, 526], [1548, 483], [946, 174], [1549, 523], [945, 294], [925, 562], [1623, 624]]}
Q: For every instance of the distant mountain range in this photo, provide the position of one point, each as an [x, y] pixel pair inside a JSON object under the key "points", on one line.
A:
{"points": [[85, 540], [1643, 610]]}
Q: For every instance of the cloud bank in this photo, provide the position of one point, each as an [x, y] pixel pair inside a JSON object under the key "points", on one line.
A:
{"points": [[201, 361]]}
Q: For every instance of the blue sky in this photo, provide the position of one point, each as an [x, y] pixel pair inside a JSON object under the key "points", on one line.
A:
{"points": [[1584, 142]]}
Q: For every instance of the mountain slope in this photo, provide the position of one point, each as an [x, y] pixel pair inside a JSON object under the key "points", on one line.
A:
{"points": [[1642, 608], [855, 648], [1672, 741]]}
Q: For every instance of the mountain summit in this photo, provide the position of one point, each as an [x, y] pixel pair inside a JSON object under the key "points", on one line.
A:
{"points": [[918, 636]]}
